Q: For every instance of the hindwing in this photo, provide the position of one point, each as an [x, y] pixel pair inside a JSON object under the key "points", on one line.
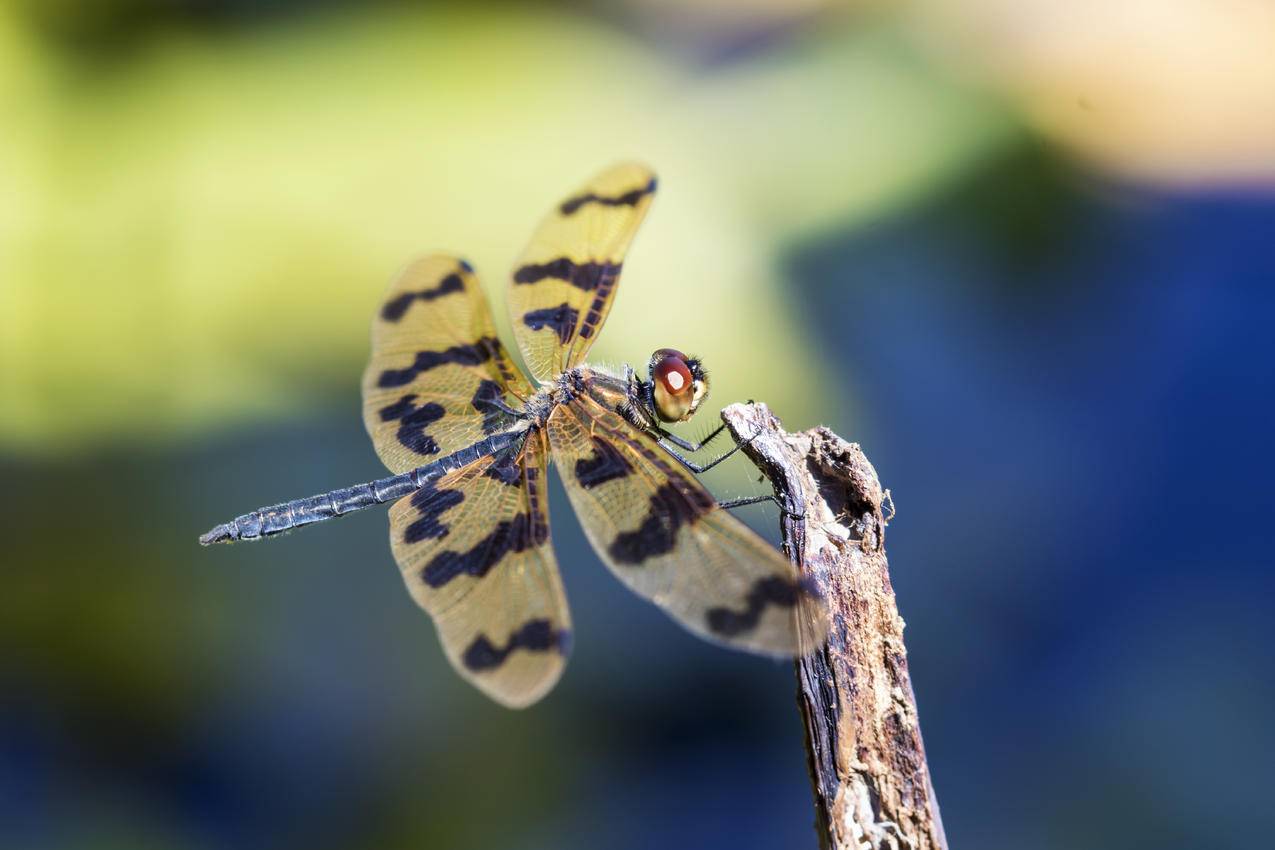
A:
{"points": [[474, 550], [664, 535]]}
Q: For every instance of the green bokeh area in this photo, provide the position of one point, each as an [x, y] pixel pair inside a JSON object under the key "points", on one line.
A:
{"points": [[198, 215]]}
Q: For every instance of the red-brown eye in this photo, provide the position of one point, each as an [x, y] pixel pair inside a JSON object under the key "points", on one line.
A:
{"points": [[672, 372]]}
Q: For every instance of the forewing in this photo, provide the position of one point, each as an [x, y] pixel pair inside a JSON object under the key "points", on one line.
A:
{"points": [[662, 533], [437, 370], [564, 283], [475, 553]]}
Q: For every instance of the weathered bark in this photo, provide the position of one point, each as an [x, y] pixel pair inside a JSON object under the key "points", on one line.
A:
{"points": [[867, 764]]}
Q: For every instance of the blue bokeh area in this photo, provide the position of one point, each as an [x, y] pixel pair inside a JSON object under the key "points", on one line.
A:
{"points": [[1078, 440]]}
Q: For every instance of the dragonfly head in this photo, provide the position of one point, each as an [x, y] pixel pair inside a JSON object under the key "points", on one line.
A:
{"points": [[678, 384]]}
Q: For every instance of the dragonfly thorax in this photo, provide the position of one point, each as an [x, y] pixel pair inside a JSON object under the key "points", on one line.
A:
{"points": [[561, 390]]}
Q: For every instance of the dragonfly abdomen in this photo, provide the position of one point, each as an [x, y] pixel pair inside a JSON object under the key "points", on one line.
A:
{"points": [[285, 516]]}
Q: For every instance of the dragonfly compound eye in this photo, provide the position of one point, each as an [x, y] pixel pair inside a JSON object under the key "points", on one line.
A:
{"points": [[674, 385], [673, 373]]}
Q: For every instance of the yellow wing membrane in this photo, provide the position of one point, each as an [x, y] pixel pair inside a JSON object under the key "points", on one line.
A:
{"points": [[664, 536], [564, 283], [475, 553], [437, 370]]}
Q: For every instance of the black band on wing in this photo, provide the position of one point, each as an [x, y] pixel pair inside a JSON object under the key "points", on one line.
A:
{"points": [[533, 636], [511, 535], [605, 464], [465, 355], [629, 199], [561, 318], [670, 509], [397, 307], [413, 421], [431, 503], [594, 317], [771, 590], [585, 276]]}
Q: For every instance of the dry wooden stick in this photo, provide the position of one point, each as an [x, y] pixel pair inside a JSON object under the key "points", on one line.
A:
{"points": [[867, 764]]}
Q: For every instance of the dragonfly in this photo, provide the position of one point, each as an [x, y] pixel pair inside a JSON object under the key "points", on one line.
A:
{"points": [[469, 439]]}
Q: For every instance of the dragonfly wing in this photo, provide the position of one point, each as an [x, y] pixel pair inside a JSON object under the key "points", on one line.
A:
{"points": [[662, 533], [475, 553], [564, 283], [438, 374]]}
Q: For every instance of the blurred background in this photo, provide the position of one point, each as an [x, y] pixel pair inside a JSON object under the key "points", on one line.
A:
{"points": [[1022, 251]]}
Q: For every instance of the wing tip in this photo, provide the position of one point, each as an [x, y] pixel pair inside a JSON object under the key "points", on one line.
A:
{"points": [[636, 164], [440, 261], [518, 700], [653, 180]]}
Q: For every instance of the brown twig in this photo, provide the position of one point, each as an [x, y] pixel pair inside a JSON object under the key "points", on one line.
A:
{"points": [[867, 764]]}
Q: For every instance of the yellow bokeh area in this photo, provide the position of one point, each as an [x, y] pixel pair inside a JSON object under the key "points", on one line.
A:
{"points": [[1175, 93], [196, 227]]}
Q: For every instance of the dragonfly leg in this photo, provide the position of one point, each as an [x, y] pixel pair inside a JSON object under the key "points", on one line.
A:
{"points": [[687, 445], [730, 504], [752, 500], [698, 468], [692, 465]]}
